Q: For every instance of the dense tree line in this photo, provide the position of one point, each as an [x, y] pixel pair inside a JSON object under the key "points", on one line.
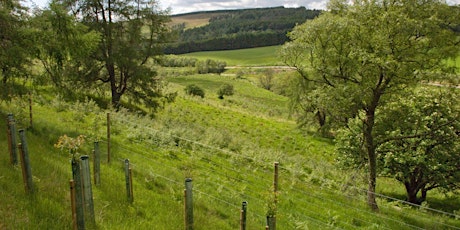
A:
{"points": [[241, 29]]}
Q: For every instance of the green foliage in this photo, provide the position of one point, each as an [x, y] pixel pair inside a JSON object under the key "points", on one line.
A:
{"points": [[225, 90], [132, 33], [366, 53], [418, 143], [210, 66], [194, 90], [16, 46], [177, 61], [64, 47]]}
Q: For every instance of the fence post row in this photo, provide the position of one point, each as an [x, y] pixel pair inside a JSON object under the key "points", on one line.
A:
{"points": [[76, 174], [97, 164], [129, 181], [87, 190], [188, 204], [243, 215], [12, 143], [25, 163]]}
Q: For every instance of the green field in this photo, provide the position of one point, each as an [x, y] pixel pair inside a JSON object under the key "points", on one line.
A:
{"points": [[264, 56], [227, 146]]}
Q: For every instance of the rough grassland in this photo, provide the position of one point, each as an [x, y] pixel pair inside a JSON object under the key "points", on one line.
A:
{"points": [[226, 146]]}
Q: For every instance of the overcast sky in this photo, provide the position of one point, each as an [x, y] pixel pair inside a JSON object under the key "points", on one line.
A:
{"points": [[186, 6]]}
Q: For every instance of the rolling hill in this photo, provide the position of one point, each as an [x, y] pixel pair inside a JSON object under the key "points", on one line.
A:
{"points": [[235, 29]]}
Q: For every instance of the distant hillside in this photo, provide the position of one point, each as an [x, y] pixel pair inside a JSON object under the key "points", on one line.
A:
{"points": [[235, 29]]}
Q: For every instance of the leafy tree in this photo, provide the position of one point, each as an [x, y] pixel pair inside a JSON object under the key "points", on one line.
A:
{"points": [[14, 46], [64, 47], [419, 142], [131, 33], [194, 90], [225, 90], [266, 80], [367, 52]]}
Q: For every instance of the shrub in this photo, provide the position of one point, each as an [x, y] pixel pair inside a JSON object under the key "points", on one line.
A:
{"points": [[194, 90], [225, 90], [210, 66]]}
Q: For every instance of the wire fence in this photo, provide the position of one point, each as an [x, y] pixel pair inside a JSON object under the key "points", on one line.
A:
{"points": [[246, 185]]}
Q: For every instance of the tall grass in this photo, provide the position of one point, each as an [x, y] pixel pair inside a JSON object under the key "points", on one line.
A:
{"points": [[226, 146]]}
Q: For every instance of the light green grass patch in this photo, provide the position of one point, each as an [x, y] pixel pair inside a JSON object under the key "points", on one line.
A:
{"points": [[263, 56]]}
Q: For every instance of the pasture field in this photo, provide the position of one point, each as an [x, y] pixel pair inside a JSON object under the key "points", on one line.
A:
{"points": [[264, 56], [227, 146]]}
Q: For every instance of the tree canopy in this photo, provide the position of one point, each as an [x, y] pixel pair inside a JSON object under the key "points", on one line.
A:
{"points": [[131, 33], [356, 57], [15, 44]]}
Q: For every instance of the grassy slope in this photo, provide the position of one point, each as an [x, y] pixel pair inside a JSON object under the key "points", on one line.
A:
{"points": [[264, 56], [185, 140]]}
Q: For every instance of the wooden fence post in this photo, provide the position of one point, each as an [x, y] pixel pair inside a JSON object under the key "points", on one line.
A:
{"points": [[72, 205], [188, 204], [25, 163], [108, 137], [271, 219], [97, 164], [30, 110], [12, 143], [243, 215], [129, 181], [79, 206], [87, 190]]}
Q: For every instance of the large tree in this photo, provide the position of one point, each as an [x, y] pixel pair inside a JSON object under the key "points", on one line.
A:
{"points": [[361, 54], [419, 142], [131, 33], [14, 46]]}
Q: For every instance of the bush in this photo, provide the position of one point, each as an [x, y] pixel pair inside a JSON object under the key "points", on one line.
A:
{"points": [[225, 90], [194, 90], [210, 66]]}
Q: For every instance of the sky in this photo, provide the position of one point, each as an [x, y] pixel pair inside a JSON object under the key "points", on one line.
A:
{"points": [[187, 6]]}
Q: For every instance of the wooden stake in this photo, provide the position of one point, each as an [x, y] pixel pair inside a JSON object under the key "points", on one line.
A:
{"points": [[108, 137], [188, 204], [25, 163], [72, 203]]}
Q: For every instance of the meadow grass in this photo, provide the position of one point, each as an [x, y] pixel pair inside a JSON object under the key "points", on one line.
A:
{"points": [[263, 56], [227, 146]]}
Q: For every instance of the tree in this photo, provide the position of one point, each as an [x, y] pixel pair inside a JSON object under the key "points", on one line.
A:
{"points": [[131, 33], [64, 47], [368, 51], [14, 46], [419, 144], [422, 150], [225, 90]]}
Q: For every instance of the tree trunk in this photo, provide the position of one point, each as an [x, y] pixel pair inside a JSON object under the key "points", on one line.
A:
{"points": [[116, 95], [371, 154], [411, 191], [321, 116]]}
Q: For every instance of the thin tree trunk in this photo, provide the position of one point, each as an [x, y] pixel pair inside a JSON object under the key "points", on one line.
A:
{"points": [[371, 154]]}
